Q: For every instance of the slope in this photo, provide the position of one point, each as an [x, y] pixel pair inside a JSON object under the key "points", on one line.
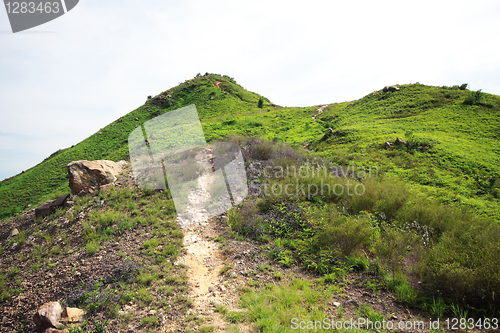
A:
{"points": [[212, 94], [452, 153]]}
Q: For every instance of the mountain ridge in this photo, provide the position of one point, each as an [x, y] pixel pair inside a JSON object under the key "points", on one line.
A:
{"points": [[226, 108]]}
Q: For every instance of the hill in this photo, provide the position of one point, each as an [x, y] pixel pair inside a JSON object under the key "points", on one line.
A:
{"points": [[214, 95], [453, 156], [424, 231]]}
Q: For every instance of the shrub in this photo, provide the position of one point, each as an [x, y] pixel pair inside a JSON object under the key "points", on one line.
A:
{"points": [[260, 104], [474, 98], [346, 234], [465, 264]]}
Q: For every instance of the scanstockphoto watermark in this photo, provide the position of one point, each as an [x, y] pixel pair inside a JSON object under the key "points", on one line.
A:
{"points": [[361, 324], [171, 151], [320, 171], [25, 15], [351, 186], [312, 190], [452, 324]]}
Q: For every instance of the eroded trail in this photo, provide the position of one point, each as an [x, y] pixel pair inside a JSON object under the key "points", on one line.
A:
{"points": [[204, 261], [203, 257]]}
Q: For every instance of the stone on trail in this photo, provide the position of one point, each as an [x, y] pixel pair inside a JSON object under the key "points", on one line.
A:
{"points": [[73, 315], [48, 316]]}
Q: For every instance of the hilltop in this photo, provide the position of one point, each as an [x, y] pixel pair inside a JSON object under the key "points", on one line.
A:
{"points": [[455, 155], [420, 241]]}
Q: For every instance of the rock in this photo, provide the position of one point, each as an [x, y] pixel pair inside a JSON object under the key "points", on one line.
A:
{"points": [[211, 289], [73, 315], [388, 145], [48, 316], [49, 207], [390, 89], [86, 176], [136, 118], [222, 289], [336, 304], [14, 232]]}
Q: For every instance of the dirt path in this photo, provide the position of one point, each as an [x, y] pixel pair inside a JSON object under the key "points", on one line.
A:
{"points": [[203, 257], [204, 261]]}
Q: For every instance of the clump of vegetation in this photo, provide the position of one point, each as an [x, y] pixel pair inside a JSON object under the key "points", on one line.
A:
{"points": [[260, 104], [383, 229], [474, 98], [295, 299]]}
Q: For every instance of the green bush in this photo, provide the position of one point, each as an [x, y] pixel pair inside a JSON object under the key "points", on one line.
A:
{"points": [[474, 98], [465, 264], [343, 233], [260, 104]]}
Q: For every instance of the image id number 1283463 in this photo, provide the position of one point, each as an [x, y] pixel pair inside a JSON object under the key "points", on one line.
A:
{"points": [[31, 7], [463, 323]]}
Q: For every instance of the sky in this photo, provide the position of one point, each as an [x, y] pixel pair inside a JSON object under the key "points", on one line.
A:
{"points": [[62, 81]]}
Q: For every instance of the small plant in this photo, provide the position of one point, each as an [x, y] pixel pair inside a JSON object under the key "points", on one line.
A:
{"points": [[21, 238], [13, 271], [458, 311], [438, 307], [150, 321], [221, 309], [368, 312], [35, 266], [207, 329], [99, 326], [234, 317], [225, 269], [92, 247]]}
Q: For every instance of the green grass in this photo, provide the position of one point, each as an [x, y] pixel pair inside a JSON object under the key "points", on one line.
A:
{"points": [[274, 308], [454, 156], [434, 201], [392, 230], [47, 180]]}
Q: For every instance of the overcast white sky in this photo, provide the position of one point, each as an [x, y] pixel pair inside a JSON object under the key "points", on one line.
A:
{"points": [[62, 81]]}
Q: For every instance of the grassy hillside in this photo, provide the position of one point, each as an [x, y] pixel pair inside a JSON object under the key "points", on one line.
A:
{"points": [[453, 150], [453, 153], [426, 227], [212, 94]]}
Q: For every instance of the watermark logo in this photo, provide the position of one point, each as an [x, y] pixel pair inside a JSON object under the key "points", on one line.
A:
{"points": [[24, 15], [171, 150]]}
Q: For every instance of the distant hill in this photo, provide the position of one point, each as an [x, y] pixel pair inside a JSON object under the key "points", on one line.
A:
{"points": [[452, 151]]}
